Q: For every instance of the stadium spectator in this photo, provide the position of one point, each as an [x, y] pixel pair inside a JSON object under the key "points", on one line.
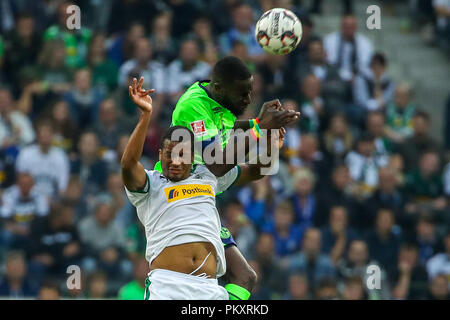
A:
{"points": [[420, 141], [185, 70], [109, 126], [354, 289], [440, 262], [84, 99], [442, 12], [243, 30], [298, 288], [423, 186], [104, 70], [104, 241], [48, 80], [383, 243], [439, 288], [123, 46], [348, 50], [48, 165], [135, 289], [76, 40], [326, 289], [163, 44], [336, 92], [356, 263], [410, 278], [54, 243], [337, 140], [22, 46], [287, 235], [16, 283], [139, 11], [312, 105], [310, 261], [337, 235], [97, 285], [240, 226], [141, 64], [364, 164], [426, 237], [375, 125], [21, 204], [337, 192], [65, 130], [49, 291], [373, 88], [399, 114], [124, 209], [16, 129], [91, 169], [274, 276], [387, 195], [278, 78], [304, 200], [203, 34]]}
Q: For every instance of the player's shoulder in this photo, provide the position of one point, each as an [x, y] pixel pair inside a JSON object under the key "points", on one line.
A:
{"points": [[200, 171]]}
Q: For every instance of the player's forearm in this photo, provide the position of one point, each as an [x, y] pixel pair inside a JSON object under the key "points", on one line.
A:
{"points": [[233, 153], [241, 124], [135, 145]]}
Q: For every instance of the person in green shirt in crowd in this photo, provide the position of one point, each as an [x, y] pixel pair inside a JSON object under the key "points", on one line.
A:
{"points": [[399, 114], [210, 109], [135, 290], [76, 41]]}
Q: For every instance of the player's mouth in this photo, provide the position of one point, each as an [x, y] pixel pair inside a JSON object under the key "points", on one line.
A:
{"points": [[174, 171]]}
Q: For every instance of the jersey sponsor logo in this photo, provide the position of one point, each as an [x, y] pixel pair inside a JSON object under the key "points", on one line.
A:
{"points": [[198, 128], [188, 191]]}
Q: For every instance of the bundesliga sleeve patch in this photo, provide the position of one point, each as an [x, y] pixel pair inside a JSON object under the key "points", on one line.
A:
{"points": [[198, 128]]}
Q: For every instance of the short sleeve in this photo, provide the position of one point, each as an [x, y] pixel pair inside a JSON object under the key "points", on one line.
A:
{"points": [[194, 115], [137, 197], [228, 179]]}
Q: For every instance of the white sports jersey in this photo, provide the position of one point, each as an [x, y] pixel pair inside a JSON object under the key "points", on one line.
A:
{"points": [[180, 212]]}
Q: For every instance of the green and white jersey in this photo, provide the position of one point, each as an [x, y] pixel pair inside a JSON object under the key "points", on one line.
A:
{"points": [[180, 212], [205, 117]]}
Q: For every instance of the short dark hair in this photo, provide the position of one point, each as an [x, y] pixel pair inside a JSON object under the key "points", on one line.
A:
{"points": [[379, 58], [230, 69], [422, 114], [366, 137], [168, 135]]}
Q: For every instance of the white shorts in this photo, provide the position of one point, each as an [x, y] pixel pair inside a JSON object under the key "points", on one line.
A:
{"points": [[162, 284]]}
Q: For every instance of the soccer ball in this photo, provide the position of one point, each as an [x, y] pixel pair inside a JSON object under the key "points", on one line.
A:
{"points": [[278, 31]]}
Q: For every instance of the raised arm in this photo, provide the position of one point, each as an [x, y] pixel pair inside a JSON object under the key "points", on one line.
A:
{"points": [[272, 116], [133, 173]]}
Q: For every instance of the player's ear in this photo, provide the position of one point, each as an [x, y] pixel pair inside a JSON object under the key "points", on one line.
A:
{"points": [[159, 154]]}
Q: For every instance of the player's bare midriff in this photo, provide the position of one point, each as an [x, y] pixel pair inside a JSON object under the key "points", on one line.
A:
{"points": [[187, 257]]}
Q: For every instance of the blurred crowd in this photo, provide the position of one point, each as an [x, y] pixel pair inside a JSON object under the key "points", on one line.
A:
{"points": [[362, 184]]}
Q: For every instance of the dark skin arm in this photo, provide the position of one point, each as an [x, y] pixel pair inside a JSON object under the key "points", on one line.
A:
{"points": [[133, 173], [272, 116], [239, 271]]}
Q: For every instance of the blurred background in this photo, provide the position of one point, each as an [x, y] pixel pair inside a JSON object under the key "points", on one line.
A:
{"points": [[364, 176]]}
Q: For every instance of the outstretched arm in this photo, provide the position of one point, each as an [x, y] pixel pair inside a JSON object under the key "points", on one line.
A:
{"points": [[272, 116], [133, 173]]}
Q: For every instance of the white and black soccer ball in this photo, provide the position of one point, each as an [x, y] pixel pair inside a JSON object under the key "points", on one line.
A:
{"points": [[278, 31]]}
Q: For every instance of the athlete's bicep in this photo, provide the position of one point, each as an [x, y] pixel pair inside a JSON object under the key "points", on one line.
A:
{"points": [[134, 177]]}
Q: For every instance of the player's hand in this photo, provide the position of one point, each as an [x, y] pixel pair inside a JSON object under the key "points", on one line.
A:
{"points": [[281, 134], [273, 115], [140, 96]]}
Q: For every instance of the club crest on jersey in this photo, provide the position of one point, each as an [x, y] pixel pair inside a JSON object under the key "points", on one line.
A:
{"points": [[198, 128], [188, 191]]}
